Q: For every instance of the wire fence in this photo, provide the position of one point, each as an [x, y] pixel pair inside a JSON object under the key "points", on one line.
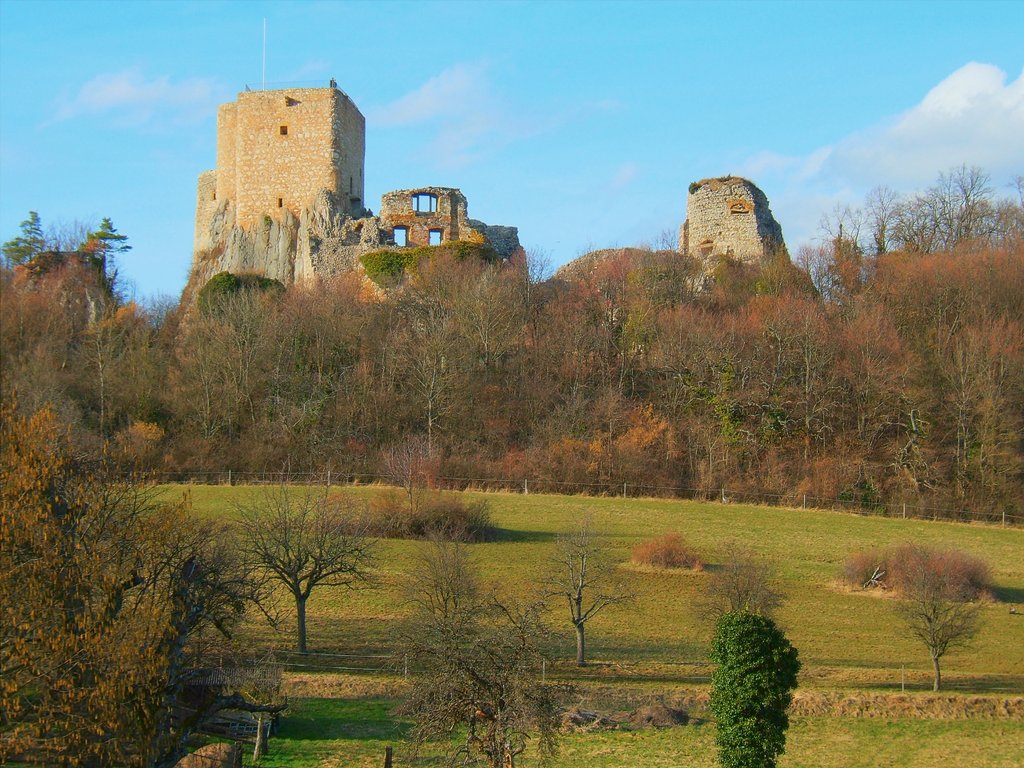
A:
{"points": [[395, 666], [723, 495]]}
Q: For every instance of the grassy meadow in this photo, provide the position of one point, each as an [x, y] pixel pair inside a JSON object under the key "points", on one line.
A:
{"points": [[850, 642]]}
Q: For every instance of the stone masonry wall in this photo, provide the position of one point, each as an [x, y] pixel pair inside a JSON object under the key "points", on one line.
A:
{"points": [[396, 210], [206, 208], [276, 150], [729, 216]]}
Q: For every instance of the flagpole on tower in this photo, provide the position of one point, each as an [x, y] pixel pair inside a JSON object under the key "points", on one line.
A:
{"points": [[264, 54]]}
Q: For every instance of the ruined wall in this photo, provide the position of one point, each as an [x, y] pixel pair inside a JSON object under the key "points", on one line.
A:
{"points": [[729, 216], [206, 209], [449, 217], [276, 150]]}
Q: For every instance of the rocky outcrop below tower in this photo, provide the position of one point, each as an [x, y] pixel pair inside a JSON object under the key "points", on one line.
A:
{"points": [[324, 239], [729, 216]]}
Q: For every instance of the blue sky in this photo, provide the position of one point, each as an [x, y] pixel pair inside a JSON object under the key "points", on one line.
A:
{"points": [[582, 123]]}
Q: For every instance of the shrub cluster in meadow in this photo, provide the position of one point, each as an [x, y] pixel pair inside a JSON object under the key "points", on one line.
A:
{"points": [[896, 567], [433, 515], [667, 551]]}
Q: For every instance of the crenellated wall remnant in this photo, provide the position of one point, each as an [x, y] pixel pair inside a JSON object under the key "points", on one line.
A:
{"points": [[729, 216]]}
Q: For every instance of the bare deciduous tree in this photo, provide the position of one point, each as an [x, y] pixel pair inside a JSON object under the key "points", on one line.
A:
{"points": [[937, 605], [474, 663], [583, 575], [306, 539], [743, 582]]}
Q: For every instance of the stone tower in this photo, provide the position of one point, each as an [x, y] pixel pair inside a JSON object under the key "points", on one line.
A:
{"points": [[729, 216], [278, 149]]}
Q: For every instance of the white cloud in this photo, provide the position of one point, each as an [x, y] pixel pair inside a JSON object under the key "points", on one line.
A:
{"points": [[459, 105], [975, 116], [130, 99]]}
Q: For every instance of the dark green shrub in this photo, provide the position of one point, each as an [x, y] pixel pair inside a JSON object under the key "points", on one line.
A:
{"points": [[386, 266], [225, 284], [751, 689]]}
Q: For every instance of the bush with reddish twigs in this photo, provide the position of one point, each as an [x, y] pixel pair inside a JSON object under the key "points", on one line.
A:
{"points": [[668, 551], [866, 568], [435, 515], [899, 566]]}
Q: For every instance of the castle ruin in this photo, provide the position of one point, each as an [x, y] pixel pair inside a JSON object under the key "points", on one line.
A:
{"points": [[729, 216], [287, 197]]}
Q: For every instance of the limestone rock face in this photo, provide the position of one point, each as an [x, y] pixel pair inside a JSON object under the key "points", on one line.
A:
{"points": [[729, 216]]}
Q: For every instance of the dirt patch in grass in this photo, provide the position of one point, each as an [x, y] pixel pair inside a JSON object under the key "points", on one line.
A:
{"points": [[658, 716], [905, 705], [330, 686]]}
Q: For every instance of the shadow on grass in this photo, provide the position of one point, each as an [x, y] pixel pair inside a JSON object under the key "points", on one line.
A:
{"points": [[1009, 595], [519, 537], [332, 719]]}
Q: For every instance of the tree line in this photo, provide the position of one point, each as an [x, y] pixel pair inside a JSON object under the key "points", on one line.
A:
{"points": [[878, 367]]}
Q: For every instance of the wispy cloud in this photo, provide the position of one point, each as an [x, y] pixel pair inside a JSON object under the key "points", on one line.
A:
{"points": [[127, 97], [459, 107], [447, 93], [625, 174], [464, 115]]}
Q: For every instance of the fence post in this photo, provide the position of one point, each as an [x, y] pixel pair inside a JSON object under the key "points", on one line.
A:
{"points": [[723, 495], [804, 505], [904, 510], [328, 478], [623, 490], [526, 486], [229, 477], [407, 665], [543, 670], [389, 753]]}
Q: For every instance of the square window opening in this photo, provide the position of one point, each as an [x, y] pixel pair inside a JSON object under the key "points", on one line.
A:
{"points": [[401, 236], [284, 130], [424, 202], [435, 237]]}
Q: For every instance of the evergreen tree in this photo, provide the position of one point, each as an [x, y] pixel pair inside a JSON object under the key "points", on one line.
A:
{"points": [[751, 689], [28, 244]]}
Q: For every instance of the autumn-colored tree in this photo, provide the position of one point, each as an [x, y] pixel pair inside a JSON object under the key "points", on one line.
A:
{"points": [[101, 590]]}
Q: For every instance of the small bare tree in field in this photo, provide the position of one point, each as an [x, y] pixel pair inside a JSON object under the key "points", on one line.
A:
{"points": [[474, 663], [583, 574], [408, 465], [936, 604], [306, 539], [743, 583]]}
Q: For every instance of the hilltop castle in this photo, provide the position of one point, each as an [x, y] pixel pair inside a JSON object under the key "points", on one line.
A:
{"points": [[287, 197]]}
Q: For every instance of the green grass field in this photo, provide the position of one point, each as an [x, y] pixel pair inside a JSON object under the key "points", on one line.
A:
{"points": [[848, 641]]}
